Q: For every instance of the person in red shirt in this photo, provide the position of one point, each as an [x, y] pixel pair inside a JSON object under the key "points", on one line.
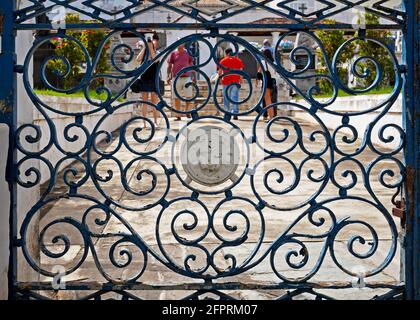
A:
{"points": [[231, 82]]}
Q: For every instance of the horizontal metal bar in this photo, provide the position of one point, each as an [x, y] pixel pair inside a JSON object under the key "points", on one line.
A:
{"points": [[205, 26], [204, 286]]}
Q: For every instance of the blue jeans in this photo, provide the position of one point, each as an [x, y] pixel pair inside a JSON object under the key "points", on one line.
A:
{"points": [[231, 91]]}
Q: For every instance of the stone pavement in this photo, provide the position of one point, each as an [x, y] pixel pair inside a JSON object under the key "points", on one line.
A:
{"points": [[135, 206]]}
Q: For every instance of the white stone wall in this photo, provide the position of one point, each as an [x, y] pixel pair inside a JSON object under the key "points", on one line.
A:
{"points": [[111, 123], [4, 213], [356, 104], [26, 197]]}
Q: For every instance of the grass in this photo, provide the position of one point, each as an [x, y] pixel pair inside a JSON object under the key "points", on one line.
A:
{"points": [[80, 94], [94, 95], [341, 93]]}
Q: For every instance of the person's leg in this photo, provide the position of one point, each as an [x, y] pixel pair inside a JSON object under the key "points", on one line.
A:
{"points": [[274, 97], [265, 115], [144, 97], [267, 98], [226, 101], [155, 100], [235, 98], [188, 91], [184, 92], [178, 106], [138, 106], [177, 89], [188, 94]]}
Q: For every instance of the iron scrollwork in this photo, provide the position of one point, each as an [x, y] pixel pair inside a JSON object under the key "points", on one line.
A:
{"points": [[237, 223]]}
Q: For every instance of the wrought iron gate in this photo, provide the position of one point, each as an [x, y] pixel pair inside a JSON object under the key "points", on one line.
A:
{"points": [[303, 203]]}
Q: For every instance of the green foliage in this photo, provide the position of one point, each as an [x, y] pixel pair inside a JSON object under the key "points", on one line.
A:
{"points": [[91, 39], [73, 53], [369, 49], [341, 93], [78, 94], [332, 40], [325, 86], [70, 51]]}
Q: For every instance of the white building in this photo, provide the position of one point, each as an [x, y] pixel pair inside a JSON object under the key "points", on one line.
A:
{"points": [[210, 9]]}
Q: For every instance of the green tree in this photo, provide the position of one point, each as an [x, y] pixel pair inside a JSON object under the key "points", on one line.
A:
{"points": [[91, 39], [332, 40], [73, 53], [70, 51], [377, 52]]}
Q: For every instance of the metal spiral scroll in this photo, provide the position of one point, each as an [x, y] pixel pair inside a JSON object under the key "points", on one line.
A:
{"points": [[282, 9], [189, 221]]}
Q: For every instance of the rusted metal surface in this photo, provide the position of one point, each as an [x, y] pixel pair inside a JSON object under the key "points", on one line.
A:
{"points": [[1, 23], [93, 285], [412, 151]]}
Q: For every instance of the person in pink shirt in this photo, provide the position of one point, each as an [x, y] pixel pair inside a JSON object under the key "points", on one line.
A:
{"points": [[178, 60]]}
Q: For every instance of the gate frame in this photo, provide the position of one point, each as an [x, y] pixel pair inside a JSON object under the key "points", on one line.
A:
{"points": [[8, 116], [411, 123]]}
